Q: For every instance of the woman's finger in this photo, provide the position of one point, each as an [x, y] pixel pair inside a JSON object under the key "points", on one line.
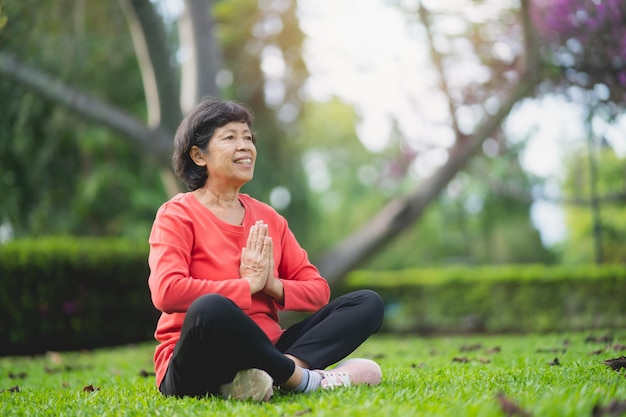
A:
{"points": [[253, 236]]}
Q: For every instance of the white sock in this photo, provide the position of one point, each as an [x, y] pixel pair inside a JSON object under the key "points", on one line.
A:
{"points": [[315, 380], [310, 381]]}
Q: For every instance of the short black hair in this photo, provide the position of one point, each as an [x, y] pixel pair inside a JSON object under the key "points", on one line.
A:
{"points": [[197, 129]]}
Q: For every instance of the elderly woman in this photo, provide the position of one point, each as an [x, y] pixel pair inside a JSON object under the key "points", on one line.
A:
{"points": [[221, 266]]}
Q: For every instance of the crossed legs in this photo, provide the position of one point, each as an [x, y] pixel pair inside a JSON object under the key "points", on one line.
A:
{"points": [[218, 340]]}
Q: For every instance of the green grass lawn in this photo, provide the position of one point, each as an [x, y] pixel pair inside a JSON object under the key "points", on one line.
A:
{"points": [[543, 375]]}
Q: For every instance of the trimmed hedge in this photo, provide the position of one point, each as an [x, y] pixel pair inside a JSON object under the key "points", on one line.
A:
{"points": [[69, 293], [81, 293], [520, 298]]}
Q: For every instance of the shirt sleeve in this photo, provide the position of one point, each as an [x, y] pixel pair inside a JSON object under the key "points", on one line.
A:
{"points": [[171, 287], [305, 289]]}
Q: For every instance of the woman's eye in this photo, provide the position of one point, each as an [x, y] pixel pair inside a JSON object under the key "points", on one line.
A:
{"points": [[230, 137], [248, 137]]}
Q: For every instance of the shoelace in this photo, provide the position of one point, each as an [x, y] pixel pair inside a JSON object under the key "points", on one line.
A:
{"points": [[336, 379]]}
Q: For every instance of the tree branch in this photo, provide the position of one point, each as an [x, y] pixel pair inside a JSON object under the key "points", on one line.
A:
{"points": [[438, 62], [154, 141], [398, 214], [199, 70], [525, 196], [153, 56], [401, 212]]}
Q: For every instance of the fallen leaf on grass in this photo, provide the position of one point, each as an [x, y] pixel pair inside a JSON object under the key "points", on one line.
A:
{"points": [[555, 362], [20, 375], [602, 339], [12, 389], [615, 408], [144, 374], [302, 412], [464, 359], [469, 348], [49, 370], [617, 363], [65, 368], [495, 349], [551, 350], [420, 365], [90, 388], [596, 352], [510, 408], [619, 348]]}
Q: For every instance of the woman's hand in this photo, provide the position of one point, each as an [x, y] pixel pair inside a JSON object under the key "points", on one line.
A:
{"points": [[255, 257], [273, 286]]}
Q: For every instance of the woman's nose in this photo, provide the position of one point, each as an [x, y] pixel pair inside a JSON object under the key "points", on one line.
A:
{"points": [[242, 143]]}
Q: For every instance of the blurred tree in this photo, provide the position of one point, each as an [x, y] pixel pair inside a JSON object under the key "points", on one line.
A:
{"points": [[496, 81], [58, 173], [107, 178], [607, 244], [345, 180], [584, 45], [482, 216], [542, 47], [584, 48], [256, 58]]}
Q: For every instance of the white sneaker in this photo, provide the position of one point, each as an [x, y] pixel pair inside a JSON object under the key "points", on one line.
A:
{"points": [[249, 384], [352, 372]]}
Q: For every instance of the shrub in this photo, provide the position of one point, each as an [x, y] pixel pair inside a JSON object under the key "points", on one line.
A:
{"points": [[75, 293], [499, 298], [69, 293]]}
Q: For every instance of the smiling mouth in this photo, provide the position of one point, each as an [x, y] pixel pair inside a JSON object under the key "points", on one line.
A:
{"points": [[244, 161]]}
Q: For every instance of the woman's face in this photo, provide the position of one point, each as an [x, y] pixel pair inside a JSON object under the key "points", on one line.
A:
{"points": [[230, 155]]}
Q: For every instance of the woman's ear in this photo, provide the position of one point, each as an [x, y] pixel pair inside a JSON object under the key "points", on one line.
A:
{"points": [[197, 156]]}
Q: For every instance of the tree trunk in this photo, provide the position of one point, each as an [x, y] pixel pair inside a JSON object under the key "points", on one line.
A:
{"points": [[154, 58], [401, 212], [199, 69], [156, 141], [397, 215]]}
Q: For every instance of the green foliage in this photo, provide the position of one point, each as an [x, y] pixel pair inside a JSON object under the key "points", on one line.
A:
{"points": [[499, 299], [64, 176], [68, 293], [482, 217], [3, 19], [58, 174], [340, 195], [579, 248], [434, 377]]}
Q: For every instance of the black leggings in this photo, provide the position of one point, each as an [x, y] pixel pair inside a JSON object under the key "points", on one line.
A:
{"points": [[218, 340]]}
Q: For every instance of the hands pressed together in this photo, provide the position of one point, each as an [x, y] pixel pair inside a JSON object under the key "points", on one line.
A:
{"points": [[257, 262]]}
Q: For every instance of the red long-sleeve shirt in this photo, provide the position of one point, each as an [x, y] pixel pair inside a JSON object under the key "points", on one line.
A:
{"points": [[193, 252]]}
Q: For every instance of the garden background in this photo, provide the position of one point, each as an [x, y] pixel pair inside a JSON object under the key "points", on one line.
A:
{"points": [[440, 217]]}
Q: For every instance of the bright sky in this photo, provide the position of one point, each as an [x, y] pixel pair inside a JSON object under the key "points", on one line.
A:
{"points": [[348, 57]]}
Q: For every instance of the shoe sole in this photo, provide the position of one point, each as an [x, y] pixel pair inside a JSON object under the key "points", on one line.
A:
{"points": [[249, 384]]}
